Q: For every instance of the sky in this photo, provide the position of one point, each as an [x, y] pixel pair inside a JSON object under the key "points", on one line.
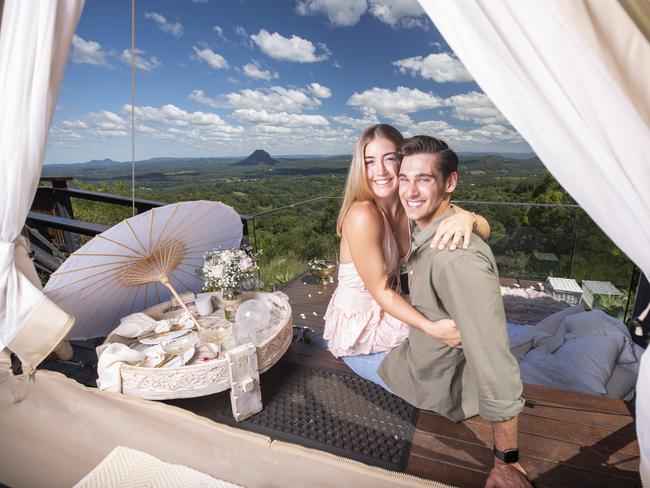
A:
{"points": [[219, 78]]}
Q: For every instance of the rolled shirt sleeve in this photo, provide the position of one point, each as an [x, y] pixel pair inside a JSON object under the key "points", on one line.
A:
{"points": [[468, 285]]}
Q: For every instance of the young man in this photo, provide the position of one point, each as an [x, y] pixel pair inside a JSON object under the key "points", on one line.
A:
{"points": [[482, 377]]}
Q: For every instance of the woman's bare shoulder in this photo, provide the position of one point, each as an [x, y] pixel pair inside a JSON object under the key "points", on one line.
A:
{"points": [[363, 211], [363, 217]]}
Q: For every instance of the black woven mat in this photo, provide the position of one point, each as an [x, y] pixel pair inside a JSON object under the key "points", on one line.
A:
{"points": [[328, 410]]}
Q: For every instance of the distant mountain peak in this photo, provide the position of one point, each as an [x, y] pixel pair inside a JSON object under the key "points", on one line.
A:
{"points": [[259, 156], [100, 161]]}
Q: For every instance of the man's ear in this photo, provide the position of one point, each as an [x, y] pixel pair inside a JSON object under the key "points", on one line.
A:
{"points": [[451, 182]]}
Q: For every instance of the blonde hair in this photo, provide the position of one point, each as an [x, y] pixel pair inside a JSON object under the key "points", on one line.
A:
{"points": [[356, 184]]}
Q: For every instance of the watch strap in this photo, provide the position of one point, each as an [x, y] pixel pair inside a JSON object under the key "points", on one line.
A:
{"points": [[508, 456]]}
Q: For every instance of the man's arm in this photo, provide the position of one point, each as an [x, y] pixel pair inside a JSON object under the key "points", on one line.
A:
{"points": [[469, 289], [505, 437]]}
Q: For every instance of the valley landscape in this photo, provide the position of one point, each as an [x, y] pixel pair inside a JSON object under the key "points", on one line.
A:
{"points": [[494, 185]]}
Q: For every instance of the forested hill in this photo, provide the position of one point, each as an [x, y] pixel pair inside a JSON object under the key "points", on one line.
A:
{"points": [[160, 169]]}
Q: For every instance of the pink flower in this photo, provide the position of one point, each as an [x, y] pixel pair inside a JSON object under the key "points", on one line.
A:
{"points": [[245, 263], [217, 271]]}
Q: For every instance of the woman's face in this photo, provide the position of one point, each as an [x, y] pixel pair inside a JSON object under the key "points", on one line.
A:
{"points": [[382, 167]]}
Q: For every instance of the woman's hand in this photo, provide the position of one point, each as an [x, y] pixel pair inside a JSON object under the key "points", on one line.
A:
{"points": [[445, 331], [452, 230]]}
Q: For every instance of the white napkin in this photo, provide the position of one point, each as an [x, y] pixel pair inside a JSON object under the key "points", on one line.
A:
{"points": [[112, 357], [136, 324], [108, 366]]}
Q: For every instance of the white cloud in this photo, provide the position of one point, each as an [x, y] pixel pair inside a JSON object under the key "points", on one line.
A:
{"points": [[253, 70], [272, 129], [102, 124], [75, 124], [272, 99], [63, 137], [88, 52], [289, 49], [246, 40], [106, 123], [436, 128], [184, 127], [215, 60], [475, 107], [175, 29], [219, 32], [319, 90], [441, 67], [360, 123], [415, 22], [141, 62], [394, 104], [397, 12], [338, 12], [172, 115], [495, 133], [283, 119], [199, 1]]}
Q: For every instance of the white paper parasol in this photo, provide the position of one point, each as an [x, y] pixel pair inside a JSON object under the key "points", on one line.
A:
{"points": [[134, 264]]}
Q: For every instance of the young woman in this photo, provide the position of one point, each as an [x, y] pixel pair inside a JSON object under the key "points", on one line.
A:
{"points": [[367, 314]]}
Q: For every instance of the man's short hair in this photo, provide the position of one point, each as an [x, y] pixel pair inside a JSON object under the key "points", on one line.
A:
{"points": [[446, 159]]}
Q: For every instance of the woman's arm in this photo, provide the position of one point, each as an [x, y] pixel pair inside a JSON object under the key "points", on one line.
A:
{"points": [[460, 226], [363, 233]]}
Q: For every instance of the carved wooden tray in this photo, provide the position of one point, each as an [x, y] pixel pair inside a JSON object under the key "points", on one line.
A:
{"points": [[207, 377]]}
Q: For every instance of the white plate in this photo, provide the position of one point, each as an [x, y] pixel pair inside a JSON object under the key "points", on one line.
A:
{"points": [[177, 363], [152, 341]]}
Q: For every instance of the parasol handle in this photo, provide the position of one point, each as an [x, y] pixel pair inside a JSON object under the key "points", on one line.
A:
{"points": [[164, 279]]}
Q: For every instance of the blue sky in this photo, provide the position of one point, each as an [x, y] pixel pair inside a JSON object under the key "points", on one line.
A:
{"points": [[223, 78]]}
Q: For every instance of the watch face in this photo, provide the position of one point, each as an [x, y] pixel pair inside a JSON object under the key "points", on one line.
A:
{"points": [[510, 456]]}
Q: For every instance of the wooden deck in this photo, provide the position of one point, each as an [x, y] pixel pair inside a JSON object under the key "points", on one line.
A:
{"points": [[566, 439]]}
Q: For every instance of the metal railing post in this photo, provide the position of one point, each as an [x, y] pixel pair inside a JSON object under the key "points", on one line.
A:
{"points": [[573, 241]]}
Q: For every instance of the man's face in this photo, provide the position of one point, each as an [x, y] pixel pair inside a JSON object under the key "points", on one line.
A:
{"points": [[422, 189]]}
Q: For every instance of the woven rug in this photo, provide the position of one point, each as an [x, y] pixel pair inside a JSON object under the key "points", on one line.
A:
{"points": [[127, 468], [333, 411]]}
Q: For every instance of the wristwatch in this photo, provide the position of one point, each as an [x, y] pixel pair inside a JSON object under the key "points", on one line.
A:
{"points": [[508, 456]]}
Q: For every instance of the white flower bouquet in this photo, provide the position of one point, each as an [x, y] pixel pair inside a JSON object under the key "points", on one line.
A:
{"points": [[230, 271]]}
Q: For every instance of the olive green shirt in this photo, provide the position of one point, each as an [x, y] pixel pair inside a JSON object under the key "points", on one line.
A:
{"points": [[482, 377]]}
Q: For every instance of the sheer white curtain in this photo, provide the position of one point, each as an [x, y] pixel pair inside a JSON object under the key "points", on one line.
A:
{"points": [[572, 77], [35, 39]]}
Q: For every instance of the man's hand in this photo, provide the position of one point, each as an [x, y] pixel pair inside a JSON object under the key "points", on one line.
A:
{"points": [[507, 476], [445, 331]]}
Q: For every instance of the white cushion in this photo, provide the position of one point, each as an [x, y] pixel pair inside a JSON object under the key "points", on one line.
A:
{"points": [[550, 343], [540, 368], [598, 323], [591, 359], [621, 382], [552, 322], [520, 350], [521, 339], [583, 364]]}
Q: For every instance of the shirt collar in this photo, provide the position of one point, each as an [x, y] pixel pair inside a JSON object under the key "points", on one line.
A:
{"points": [[422, 236]]}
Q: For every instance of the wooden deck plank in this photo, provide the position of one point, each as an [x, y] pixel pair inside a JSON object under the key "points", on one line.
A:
{"points": [[594, 457], [479, 460], [582, 401]]}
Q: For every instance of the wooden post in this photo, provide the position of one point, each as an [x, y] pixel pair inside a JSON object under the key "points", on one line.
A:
{"points": [[245, 393], [64, 209]]}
